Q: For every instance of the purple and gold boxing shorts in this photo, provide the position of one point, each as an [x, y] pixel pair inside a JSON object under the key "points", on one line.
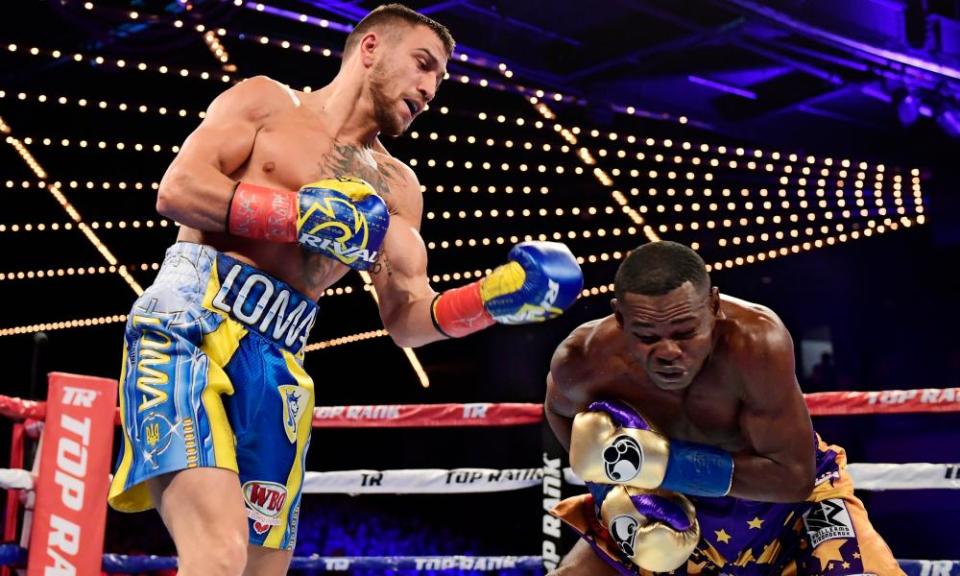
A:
{"points": [[213, 377], [828, 535]]}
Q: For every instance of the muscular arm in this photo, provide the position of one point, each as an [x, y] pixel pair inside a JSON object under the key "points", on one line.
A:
{"points": [[540, 281], [196, 188], [401, 279], [566, 387], [557, 409], [779, 463]]}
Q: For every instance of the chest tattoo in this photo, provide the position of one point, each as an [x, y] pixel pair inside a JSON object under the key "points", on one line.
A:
{"points": [[351, 160]]}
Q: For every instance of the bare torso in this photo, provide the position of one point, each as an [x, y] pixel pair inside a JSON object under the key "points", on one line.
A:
{"points": [[594, 364], [291, 149]]}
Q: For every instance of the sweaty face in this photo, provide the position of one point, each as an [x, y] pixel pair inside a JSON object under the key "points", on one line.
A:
{"points": [[670, 335], [406, 76]]}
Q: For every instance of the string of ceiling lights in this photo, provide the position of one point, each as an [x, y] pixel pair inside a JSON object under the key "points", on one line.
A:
{"points": [[605, 180]]}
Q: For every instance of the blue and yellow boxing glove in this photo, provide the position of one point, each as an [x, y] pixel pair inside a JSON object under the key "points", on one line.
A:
{"points": [[655, 529], [342, 218], [541, 280], [611, 443]]}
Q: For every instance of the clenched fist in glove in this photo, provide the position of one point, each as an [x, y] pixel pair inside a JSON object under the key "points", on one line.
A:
{"points": [[541, 280], [655, 529], [342, 218], [611, 443]]}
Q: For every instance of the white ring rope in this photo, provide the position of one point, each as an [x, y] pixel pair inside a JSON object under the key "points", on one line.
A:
{"points": [[913, 476], [421, 481], [16, 479]]}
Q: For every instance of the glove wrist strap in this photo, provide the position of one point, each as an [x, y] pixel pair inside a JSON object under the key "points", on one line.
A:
{"points": [[263, 213], [459, 311], [698, 470]]}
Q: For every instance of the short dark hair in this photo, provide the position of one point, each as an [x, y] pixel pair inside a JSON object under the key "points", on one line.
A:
{"points": [[391, 15], [660, 267]]}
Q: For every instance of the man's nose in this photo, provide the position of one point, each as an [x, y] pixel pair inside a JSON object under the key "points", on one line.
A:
{"points": [[428, 91], [668, 352]]}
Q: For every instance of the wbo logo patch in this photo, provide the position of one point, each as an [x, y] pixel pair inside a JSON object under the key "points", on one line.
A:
{"points": [[264, 502]]}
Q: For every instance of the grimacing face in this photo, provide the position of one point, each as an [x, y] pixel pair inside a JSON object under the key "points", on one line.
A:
{"points": [[406, 76], [670, 335]]}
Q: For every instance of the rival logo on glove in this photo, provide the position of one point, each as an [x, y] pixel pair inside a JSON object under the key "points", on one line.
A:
{"points": [[338, 245], [536, 312]]}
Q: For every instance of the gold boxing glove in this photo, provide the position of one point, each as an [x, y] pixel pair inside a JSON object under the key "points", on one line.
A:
{"points": [[656, 530], [611, 443]]}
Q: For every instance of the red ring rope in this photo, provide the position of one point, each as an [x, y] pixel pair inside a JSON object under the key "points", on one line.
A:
{"points": [[923, 400]]}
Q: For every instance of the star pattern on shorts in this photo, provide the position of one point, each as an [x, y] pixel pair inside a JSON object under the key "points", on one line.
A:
{"points": [[755, 523], [722, 536], [829, 552]]}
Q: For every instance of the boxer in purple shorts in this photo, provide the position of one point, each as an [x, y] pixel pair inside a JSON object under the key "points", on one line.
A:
{"points": [[682, 413]]}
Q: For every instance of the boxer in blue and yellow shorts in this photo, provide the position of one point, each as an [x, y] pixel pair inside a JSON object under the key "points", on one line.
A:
{"points": [[213, 377]]}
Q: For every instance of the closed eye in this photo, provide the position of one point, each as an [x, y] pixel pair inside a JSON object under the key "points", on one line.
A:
{"points": [[654, 339]]}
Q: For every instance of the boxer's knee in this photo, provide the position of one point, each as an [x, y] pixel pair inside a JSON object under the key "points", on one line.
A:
{"points": [[219, 555]]}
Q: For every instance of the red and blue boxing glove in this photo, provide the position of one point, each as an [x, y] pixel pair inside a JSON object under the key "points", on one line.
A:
{"points": [[342, 218], [541, 280]]}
